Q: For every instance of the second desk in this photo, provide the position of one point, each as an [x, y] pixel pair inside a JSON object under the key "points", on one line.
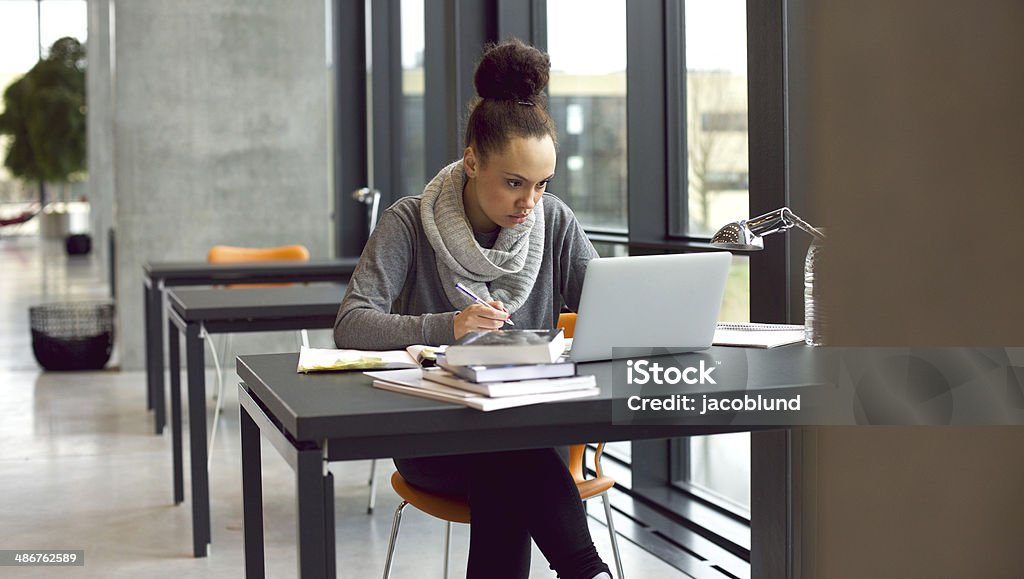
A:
{"points": [[217, 310]]}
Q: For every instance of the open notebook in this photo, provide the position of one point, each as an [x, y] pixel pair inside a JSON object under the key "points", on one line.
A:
{"points": [[328, 359]]}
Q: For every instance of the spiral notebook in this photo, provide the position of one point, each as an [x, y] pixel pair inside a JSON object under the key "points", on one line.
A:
{"points": [[754, 335]]}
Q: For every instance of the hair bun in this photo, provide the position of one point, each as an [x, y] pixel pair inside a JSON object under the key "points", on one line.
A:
{"points": [[512, 70]]}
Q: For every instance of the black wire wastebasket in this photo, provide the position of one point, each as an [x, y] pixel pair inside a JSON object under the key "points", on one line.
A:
{"points": [[72, 336]]}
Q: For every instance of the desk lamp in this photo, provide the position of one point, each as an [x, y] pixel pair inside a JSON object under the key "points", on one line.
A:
{"points": [[371, 198], [748, 234]]}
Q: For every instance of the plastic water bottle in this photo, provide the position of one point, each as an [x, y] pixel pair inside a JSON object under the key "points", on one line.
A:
{"points": [[815, 322]]}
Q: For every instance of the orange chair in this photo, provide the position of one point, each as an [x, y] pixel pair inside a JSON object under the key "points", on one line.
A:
{"points": [[231, 254], [568, 324], [456, 510]]}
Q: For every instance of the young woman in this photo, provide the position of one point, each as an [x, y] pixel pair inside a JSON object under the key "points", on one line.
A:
{"points": [[487, 222]]}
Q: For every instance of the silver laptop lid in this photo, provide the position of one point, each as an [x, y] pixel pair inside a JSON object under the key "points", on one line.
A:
{"points": [[654, 301]]}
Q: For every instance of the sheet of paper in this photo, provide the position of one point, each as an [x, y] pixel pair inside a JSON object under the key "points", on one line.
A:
{"points": [[324, 359]]}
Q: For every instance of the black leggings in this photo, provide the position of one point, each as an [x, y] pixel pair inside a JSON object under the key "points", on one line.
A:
{"points": [[514, 496]]}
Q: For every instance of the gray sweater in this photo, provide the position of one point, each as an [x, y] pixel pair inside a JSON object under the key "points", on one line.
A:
{"points": [[395, 298]]}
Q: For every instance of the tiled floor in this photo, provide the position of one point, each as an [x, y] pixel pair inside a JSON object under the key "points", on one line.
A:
{"points": [[81, 469]]}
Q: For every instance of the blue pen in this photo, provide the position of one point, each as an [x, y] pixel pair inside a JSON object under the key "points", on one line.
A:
{"points": [[476, 299]]}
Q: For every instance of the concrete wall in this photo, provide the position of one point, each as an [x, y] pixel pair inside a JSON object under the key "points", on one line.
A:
{"points": [[910, 142], [220, 136]]}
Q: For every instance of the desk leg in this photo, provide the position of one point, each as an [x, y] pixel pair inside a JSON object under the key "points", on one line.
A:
{"points": [[147, 321], [173, 350], [312, 488], [252, 498], [195, 362], [329, 539], [155, 360]]}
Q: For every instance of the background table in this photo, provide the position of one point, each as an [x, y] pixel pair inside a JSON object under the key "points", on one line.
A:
{"points": [[313, 418], [157, 276], [227, 310]]}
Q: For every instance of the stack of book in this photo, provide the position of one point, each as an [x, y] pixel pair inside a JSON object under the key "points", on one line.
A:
{"points": [[494, 370]]}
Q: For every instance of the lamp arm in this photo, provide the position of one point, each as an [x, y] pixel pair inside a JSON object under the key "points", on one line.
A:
{"points": [[814, 231], [778, 220]]}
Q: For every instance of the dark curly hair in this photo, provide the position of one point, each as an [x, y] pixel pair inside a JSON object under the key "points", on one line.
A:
{"points": [[510, 80]]}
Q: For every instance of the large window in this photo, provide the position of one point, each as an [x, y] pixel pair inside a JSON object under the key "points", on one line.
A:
{"points": [[587, 43]]}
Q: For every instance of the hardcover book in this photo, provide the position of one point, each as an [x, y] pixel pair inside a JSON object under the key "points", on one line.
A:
{"points": [[413, 383], [511, 388], [505, 372], [507, 347]]}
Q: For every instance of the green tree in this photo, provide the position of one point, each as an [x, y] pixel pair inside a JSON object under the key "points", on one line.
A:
{"points": [[44, 112]]}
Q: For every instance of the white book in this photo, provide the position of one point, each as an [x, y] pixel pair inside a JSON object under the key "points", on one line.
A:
{"points": [[755, 335], [412, 382], [512, 387], [327, 359]]}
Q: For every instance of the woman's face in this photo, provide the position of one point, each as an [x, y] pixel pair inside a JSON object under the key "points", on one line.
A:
{"points": [[503, 191]]}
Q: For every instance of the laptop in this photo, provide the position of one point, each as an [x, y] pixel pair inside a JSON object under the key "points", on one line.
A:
{"points": [[637, 303]]}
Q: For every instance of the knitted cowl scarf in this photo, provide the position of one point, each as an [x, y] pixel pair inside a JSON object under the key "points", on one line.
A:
{"points": [[506, 272]]}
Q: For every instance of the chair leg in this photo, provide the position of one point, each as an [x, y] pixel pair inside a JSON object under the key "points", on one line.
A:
{"points": [[373, 488], [615, 538], [394, 539], [447, 547]]}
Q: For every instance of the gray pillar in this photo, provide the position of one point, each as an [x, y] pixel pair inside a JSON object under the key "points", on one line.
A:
{"points": [[99, 77], [220, 135]]}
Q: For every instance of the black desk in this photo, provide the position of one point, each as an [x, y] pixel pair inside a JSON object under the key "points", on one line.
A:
{"points": [[227, 310], [158, 276], [313, 418]]}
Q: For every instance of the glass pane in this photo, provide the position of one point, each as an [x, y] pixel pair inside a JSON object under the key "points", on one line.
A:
{"points": [[720, 466], [587, 44], [736, 303], [413, 166], [607, 249], [62, 18], [620, 450], [716, 109], [19, 41]]}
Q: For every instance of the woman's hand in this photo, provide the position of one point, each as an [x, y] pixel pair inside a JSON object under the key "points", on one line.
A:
{"points": [[480, 318]]}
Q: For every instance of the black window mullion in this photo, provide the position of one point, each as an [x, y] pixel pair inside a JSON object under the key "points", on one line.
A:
{"points": [[523, 19], [769, 269], [386, 35], [350, 146], [647, 119], [456, 32], [676, 126], [440, 109]]}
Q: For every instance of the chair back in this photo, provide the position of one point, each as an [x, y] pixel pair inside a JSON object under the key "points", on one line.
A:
{"points": [[568, 324], [232, 254]]}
